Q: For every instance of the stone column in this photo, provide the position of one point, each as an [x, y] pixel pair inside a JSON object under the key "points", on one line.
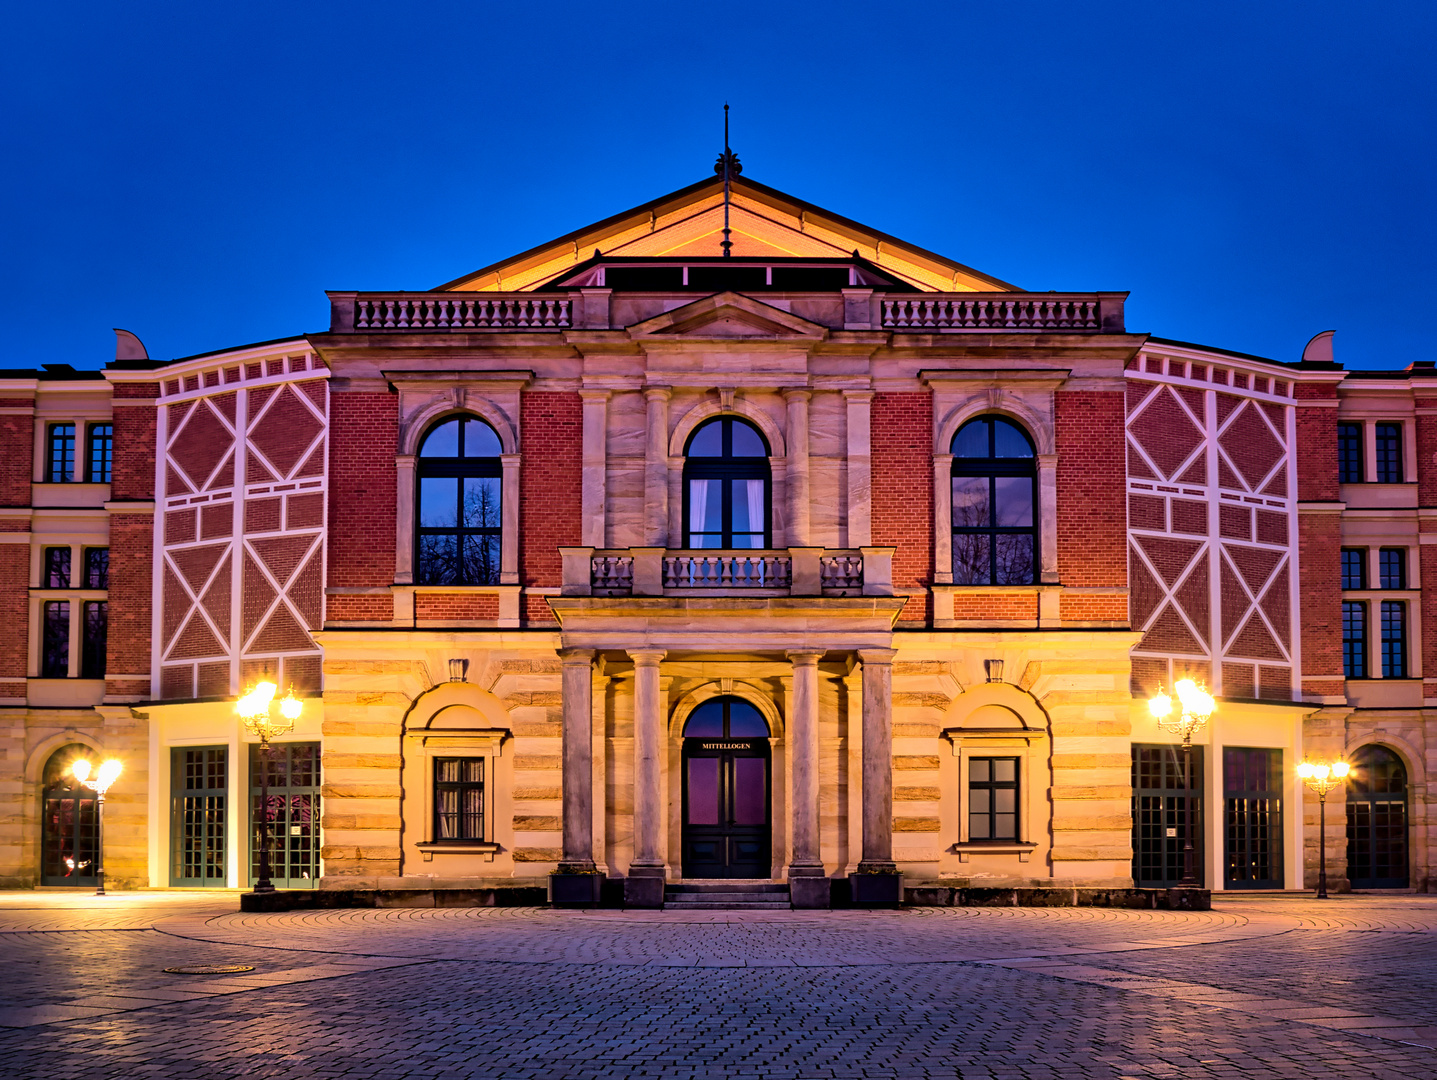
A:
{"points": [[404, 499], [656, 468], [644, 886], [796, 473], [1047, 511], [877, 759], [808, 888], [594, 479], [860, 468], [578, 852], [943, 525], [509, 514]]}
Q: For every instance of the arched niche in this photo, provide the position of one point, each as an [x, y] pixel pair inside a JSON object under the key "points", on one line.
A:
{"points": [[706, 410], [456, 706], [1406, 753], [999, 709], [760, 700]]}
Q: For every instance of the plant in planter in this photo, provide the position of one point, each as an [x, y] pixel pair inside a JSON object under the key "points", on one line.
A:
{"points": [[575, 887], [876, 887]]}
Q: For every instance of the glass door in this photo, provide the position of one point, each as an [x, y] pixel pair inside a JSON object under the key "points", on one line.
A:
{"points": [[1252, 799], [199, 814], [1166, 805], [1377, 820], [294, 813]]}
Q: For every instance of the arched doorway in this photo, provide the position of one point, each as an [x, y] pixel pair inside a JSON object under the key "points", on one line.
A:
{"points": [[727, 832], [69, 822], [1377, 820]]}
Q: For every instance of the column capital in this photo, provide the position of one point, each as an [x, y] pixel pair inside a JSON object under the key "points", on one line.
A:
{"points": [[571, 655], [647, 657], [877, 656], [658, 393], [859, 395], [804, 657], [796, 393], [590, 396]]}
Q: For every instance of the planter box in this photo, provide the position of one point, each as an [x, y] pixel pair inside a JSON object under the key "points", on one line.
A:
{"points": [[875, 890], [575, 890]]}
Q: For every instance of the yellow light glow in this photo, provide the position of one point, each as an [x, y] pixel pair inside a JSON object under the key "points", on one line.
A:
{"points": [[1339, 769], [290, 707], [1306, 770], [1160, 705], [109, 773], [265, 691], [81, 770], [1320, 771]]}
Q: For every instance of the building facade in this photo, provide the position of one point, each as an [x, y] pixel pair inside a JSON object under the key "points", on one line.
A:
{"points": [[826, 556]]}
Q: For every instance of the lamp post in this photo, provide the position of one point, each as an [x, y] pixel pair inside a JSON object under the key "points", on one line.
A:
{"points": [[1196, 706], [108, 774], [256, 708], [1322, 778]]}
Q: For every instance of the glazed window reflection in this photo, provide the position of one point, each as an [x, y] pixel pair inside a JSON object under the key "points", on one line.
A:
{"points": [[995, 495], [459, 523]]}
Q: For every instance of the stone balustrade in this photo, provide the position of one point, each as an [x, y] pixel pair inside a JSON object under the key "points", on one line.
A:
{"points": [[379, 312], [795, 571], [997, 311]]}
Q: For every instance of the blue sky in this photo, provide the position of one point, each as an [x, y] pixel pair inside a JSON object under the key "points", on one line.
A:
{"points": [[1254, 173]]}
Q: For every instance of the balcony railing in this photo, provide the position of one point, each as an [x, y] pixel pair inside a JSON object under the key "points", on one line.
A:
{"points": [[379, 312], [1080, 313], [791, 571]]}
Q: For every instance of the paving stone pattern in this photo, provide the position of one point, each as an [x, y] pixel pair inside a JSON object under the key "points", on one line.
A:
{"points": [[1261, 987]]}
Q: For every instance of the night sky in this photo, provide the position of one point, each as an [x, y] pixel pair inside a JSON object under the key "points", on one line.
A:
{"points": [[199, 174]]}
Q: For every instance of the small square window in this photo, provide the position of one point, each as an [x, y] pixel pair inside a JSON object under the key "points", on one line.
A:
{"points": [[1392, 568], [458, 799], [56, 571], [1354, 568]]}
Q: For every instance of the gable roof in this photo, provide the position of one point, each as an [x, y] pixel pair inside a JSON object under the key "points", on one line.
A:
{"points": [[766, 223]]}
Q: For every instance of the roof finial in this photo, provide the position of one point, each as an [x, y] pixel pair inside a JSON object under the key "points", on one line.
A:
{"points": [[728, 167]]}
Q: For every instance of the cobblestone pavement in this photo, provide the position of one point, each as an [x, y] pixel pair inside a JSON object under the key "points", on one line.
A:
{"points": [[1263, 986]]}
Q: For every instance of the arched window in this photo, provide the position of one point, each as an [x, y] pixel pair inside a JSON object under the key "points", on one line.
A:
{"points": [[1377, 820], [995, 504], [459, 513], [71, 824], [726, 718], [726, 486]]}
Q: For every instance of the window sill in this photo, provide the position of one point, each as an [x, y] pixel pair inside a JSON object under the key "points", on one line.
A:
{"points": [[968, 848], [483, 849]]}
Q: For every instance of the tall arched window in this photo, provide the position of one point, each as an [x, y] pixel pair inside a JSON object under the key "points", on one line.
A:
{"points": [[1377, 820], [459, 513], [70, 831], [995, 503], [726, 486]]}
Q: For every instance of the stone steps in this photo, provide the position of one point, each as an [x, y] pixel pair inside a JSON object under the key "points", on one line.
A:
{"points": [[727, 895]]}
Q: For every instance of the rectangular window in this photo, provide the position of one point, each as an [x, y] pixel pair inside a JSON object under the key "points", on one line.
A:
{"points": [[60, 454], [458, 799], [1354, 639], [101, 453], [1349, 453], [56, 573], [993, 799], [96, 635], [1354, 568], [97, 568], [55, 640], [1389, 453], [1394, 639], [1392, 568]]}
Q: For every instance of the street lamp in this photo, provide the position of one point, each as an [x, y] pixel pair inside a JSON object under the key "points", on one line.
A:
{"points": [[1196, 705], [256, 708], [1322, 779], [108, 774]]}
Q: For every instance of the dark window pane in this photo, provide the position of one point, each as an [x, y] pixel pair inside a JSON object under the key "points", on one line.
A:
{"points": [[459, 798], [1005, 769], [1354, 639], [1389, 453], [97, 568], [972, 440], [750, 791], [747, 442], [972, 559], [972, 508], [481, 560], [438, 502], [1349, 453], [726, 478], [1354, 568], [438, 560], [57, 568], [707, 441], [60, 460], [748, 510], [443, 441], [1013, 500], [101, 453], [1015, 560], [745, 721], [481, 502], [703, 790], [96, 631], [1394, 640], [480, 440], [706, 721], [55, 645], [981, 769], [1009, 441], [993, 798], [1392, 565]]}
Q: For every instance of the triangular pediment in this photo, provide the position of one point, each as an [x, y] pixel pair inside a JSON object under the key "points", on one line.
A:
{"points": [[764, 223], [728, 316]]}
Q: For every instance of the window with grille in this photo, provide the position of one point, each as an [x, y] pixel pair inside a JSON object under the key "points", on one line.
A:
{"points": [[726, 486], [1389, 453], [1349, 453], [995, 504], [1392, 568], [100, 453], [1394, 639], [458, 799], [993, 799], [56, 573], [55, 640], [60, 454], [460, 512], [1354, 639], [1354, 568], [199, 778]]}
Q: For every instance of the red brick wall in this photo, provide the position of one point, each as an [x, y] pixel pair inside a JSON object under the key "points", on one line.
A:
{"points": [[131, 585], [1426, 453], [475, 607], [1319, 539], [1092, 476], [364, 435], [1316, 443], [1007, 607], [552, 426], [14, 611], [133, 475], [17, 452], [902, 446], [359, 608]]}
